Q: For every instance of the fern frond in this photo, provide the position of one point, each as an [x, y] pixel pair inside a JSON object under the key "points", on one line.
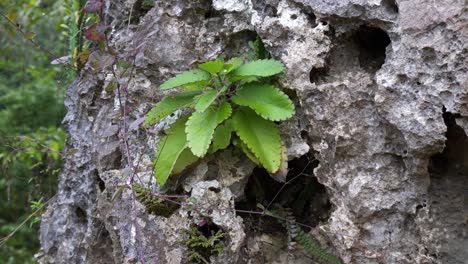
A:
{"points": [[310, 245]]}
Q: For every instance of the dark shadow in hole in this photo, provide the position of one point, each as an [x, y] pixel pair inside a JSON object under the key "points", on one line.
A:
{"points": [[454, 151], [101, 184], [304, 195], [81, 215], [391, 5], [372, 43], [318, 74]]}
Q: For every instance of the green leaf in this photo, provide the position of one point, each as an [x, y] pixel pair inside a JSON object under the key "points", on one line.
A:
{"points": [[258, 51], [201, 125], [212, 67], [261, 68], [186, 78], [266, 100], [221, 137], [237, 142], [186, 158], [261, 136], [169, 150], [233, 64], [282, 172], [168, 105], [206, 99]]}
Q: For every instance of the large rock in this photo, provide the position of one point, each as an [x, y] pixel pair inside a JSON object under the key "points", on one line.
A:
{"points": [[381, 88]]}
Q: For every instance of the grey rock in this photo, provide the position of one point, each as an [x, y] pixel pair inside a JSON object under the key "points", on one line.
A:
{"points": [[381, 92]]}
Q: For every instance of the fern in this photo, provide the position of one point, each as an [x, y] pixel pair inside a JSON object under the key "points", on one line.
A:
{"points": [[201, 247], [310, 245], [154, 205], [209, 91]]}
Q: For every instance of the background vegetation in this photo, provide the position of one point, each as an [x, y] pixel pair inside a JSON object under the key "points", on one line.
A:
{"points": [[31, 109]]}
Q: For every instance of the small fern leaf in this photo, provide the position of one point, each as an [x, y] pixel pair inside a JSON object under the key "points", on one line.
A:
{"points": [[170, 148], [168, 105], [266, 100], [201, 126], [212, 67], [186, 78], [221, 137], [261, 68], [261, 136], [206, 100]]}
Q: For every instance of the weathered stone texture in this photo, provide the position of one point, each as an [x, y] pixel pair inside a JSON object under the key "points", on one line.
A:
{"points": [[382, 93]]}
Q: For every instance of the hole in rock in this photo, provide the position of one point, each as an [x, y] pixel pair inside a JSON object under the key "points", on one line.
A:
{"points": [[447, 200], [139, 10], [294, 17], [302, 194], [81, 215], [265, 8], [318, 74], [100, 249], [391, 6], [372, 43], [101, 184]]}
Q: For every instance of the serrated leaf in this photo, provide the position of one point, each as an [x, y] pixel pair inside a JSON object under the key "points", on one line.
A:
{"points": [[201, 125], [282, 172], [186, 78], [261, 68], [261, 136], [186, 158], [266, 100], [221, 137], [212, 67], [168, 105], [169, 150], [206, 99], [233, 64], [241, 145]]}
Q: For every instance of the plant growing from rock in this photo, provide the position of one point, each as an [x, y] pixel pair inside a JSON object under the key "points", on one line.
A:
{"points": [[226, 97], [201, 247]]}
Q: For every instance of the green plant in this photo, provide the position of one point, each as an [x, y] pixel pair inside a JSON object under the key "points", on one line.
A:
{"points": [[225, 97], [310, 245], [200, 247], [155, 205]]}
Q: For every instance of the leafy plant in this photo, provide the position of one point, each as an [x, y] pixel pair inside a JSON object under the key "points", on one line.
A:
{"points": [[200, 247], [225, 97]]}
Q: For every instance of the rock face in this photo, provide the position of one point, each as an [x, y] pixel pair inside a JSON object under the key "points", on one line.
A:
{"points": [[381, 88]]}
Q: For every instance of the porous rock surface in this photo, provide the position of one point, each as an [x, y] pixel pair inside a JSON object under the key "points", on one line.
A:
{"points": [[381, 91]]}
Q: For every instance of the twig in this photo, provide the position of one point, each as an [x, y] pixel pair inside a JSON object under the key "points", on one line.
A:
{"points": [[35, 43]]}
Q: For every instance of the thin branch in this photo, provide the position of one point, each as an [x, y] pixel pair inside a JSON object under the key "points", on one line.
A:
{"points": [[35, 43]]}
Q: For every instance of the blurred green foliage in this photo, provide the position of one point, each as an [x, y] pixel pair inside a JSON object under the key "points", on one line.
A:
{"points": [[31, 109]]}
